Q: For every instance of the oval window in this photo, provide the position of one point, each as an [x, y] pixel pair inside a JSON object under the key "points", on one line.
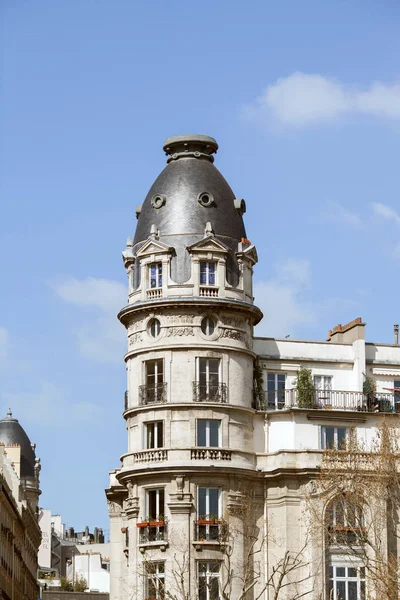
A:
{"points": [[154, 328], [208, 326]]}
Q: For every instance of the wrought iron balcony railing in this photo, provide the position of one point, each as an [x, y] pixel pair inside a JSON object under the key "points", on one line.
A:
{"points": [[153, 532], [209, 530], [209, 392], [152, 394], [329, 400]]}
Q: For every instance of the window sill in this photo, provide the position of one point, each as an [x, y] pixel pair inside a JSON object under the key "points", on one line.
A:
{"points": [[162, 545]]}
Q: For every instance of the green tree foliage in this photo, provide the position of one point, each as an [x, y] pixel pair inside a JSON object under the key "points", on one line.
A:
{"points": [[305, 388]]}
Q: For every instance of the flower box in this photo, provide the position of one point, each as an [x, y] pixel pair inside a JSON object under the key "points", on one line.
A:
{"points": [[143, 524], [156, 523]]}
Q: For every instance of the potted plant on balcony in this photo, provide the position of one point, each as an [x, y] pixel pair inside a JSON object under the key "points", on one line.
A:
{"points": [[206, 520], [159, 521], [143, 523], [305, 388]]}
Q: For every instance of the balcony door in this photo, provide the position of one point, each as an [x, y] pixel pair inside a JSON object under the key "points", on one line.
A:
{"points": [[208, 378]]}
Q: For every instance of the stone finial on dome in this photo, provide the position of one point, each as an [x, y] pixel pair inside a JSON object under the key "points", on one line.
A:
{"points": [[190, 145]]}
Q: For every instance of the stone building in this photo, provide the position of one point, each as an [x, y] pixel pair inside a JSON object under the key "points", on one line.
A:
{"points": [[217, 439], [19, 529]]}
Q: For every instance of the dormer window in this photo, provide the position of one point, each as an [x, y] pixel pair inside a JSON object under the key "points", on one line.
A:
{"points": [[207, 273], [155, 275]]}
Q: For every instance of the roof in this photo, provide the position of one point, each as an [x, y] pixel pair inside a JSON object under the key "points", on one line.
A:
{"points": [[11, 432], [187, 195]]}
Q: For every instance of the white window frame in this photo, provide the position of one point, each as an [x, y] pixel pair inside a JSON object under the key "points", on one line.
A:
{"points": [[346, 563], [276, 398], [208, 500], [207, 271], [323, 383], [207, 426], [156, 425], [207, 575], [157, 379], [159, 272], [155, 578], [335, 428], [159, 510], [208, 358]]}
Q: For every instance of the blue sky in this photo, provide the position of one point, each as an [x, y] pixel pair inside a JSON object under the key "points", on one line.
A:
{"points": [[304, 101]]}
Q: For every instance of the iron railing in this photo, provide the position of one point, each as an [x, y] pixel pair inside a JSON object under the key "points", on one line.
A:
{"points": [[152, 394], [153, 533], [209, 532], [329, 400], [210, 392]]}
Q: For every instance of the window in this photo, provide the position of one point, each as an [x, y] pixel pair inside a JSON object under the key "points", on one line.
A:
{"points": [[155, 275], [396, 385], [208, 579], [209, 502], [154, 328], [208, 432], [346, 582], [323, 387], [155, 435], [345, 522], [208, 326], [154, 388], [207, 273], [207, 385], [334, 437], [155, 504], [276, 390], [155, 576]]}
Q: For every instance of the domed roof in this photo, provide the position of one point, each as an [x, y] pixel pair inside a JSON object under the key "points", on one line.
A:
{"points": [[11, 432], [189, 193]]}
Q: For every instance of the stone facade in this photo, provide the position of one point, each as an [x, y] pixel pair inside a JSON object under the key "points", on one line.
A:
{"points": [[217, 442]]}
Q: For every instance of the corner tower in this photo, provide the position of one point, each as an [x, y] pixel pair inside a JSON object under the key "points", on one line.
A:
{"points": [[189, 401]]}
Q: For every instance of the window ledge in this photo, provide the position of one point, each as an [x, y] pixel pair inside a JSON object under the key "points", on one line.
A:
{"points": [[162, 545]]}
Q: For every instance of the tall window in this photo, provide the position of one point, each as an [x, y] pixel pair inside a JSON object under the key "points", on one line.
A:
{"points": [[208, 379], [155, 434], [155, 578], [208, 580], [209, 502], [208, 432], [323, 387], [155, 504], [345, 522], [276, 390], [155, 275], [207, 273], [346, 582], [154, 389], [334, 437]]}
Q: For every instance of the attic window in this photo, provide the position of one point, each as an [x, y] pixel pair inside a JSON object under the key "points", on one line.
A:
{"points": [[205, 199], [158, 200]]}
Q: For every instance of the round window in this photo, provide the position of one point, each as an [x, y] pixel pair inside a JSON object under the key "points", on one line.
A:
{"points": [[208, 326], [205, 199], [154, 328]]}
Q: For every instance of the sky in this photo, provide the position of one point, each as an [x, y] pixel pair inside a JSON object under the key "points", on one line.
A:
{"points": [[304, 101]]}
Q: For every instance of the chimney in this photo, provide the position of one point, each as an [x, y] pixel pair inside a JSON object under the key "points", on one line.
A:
{"points": [[396, 335]]}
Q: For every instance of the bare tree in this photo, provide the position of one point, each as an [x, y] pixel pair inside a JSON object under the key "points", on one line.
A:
{"points": [[358, 506]]}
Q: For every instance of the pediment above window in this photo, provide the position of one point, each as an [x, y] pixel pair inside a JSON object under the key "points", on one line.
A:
{"points": [[249, 253], [153, 246], [208, 244]]}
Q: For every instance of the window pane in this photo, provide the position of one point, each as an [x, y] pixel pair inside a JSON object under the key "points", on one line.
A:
{"points": [[214, 433], [161, 510], [160, 436], [214, 588], [341, 437], [341, 590], [340, 571], [213, 502], [271, 381], [352, 590], [362, 589], [351, 572], [150, 435], [201, 432], [152, 504], [329, 437], [202, 501]]}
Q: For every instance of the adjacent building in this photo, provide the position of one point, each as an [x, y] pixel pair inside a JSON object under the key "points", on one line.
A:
{"points": [[19, 529], [216, 432]]}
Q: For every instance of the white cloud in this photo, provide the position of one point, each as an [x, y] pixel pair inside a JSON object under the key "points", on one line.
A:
{"points": [[303, 99], [49, 407], [338, 213], [280, 299], [386, 212], [101, 336], [4, 342]]}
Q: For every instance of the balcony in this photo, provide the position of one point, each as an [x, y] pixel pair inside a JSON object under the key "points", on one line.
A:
{"points": [[210, 454], [152, 394], [208, 292], [209, 530], [209, 392], [153, 455], [154, 294], [152, 532], [331, 400]]}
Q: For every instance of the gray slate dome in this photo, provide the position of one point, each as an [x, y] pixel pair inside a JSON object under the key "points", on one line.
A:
{"points": [[11, 432], [189, 193]]}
